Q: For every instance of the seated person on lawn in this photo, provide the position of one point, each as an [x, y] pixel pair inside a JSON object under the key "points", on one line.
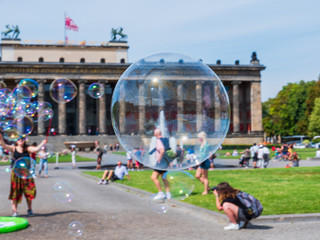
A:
{"points": [[113, 175]]}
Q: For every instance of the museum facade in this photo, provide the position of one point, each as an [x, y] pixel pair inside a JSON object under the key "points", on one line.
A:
{"points": [[104, 63]]}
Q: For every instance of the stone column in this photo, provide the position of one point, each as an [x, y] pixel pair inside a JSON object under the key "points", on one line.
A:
{"points": [[199, 106], [41, 130], [122, 110], [142, 108], [62, 107], [82, 121], [217, 109], [236, 107], [62, 118], [180, 107], [256, 107], [102, 111]]}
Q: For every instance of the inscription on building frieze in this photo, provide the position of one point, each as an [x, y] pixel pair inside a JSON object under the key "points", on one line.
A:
{"points": [[62, 70]]}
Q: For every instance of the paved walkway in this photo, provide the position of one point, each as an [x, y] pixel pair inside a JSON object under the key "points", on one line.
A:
{"points": [[116, 212]]}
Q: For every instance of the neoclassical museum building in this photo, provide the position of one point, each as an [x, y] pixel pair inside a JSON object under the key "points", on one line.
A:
{"points": [[89, 118]]}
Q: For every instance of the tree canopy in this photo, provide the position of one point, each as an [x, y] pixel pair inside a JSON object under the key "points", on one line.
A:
{"points": [[289, 112]]}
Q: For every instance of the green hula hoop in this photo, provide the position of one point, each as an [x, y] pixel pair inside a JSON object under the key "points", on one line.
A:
{"points": [[11, 224]]}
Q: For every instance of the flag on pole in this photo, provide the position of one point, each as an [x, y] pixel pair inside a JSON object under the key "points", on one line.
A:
{"points": [[70, 25]]}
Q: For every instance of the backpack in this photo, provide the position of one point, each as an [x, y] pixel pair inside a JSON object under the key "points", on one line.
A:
{"points": [[169, 155], [253, 206]]}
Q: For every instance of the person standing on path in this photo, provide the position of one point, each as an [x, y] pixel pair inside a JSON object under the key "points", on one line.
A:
{"points": [[99, 152]]}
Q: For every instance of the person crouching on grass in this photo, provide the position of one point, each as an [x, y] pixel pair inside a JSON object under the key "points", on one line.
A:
{"points": [[227, 201]]}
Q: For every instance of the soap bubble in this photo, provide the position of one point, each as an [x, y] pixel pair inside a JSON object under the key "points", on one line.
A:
{"points": [[63, 192], [11, 133], [31, 84], [25, 167], [2, 85], [44, 111], [24, 125], [96, 90], [179, 97], [63, 90], [49, 150], [75, 229], [181, 184], [22, 92], [160, 206]]}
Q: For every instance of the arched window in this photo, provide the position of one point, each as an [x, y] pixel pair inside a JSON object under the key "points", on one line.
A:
{"points": [[82, 60], [122, 60], [41, 59], [61, 60], [102, 60], [19, 59]]}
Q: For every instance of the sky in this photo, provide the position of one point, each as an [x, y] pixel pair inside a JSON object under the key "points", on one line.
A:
{"points": [[285, 34]]}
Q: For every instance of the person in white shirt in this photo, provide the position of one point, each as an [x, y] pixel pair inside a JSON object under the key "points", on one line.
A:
{"points": [[254, 154], [114, 175], [260, 163], [266, 155]]}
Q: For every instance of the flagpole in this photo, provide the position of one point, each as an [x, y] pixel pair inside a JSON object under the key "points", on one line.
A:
{"points": [[65, 31]]}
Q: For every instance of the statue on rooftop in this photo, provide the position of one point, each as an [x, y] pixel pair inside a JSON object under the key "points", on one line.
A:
{"points": [[14, 30], [118, 32]]}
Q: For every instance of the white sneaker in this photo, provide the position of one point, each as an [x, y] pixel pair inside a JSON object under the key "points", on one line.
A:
{"points": [[168, 195], [160, 196], [100, 182], [232, 226], [15, 214]]}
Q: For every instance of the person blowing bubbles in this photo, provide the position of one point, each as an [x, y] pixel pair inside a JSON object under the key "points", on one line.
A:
{"points": [[20, 186]]}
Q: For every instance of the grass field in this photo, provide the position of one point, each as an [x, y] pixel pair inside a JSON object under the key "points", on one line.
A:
{"points": [[281, 191], [66, 158], [303, 153]]}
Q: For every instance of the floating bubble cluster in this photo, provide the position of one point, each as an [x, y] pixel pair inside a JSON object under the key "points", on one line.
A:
{"points": [[183, 99], [18, 112]]}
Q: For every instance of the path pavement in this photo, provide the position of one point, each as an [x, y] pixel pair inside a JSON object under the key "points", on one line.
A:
{"points": [[116, 212]]}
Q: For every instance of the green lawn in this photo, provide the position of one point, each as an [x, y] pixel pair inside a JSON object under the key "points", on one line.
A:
{"points": [[281, 191], [66, 158], [303, 153]]}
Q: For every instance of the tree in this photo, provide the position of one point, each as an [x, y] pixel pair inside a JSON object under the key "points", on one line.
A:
{"points": [[285, 114], [314, 126]]}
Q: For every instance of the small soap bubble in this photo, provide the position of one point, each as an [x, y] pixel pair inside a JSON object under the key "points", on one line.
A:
{"points": [[160, 206], [96, 90], [63, 90], [25, 167], [24, 125], [181, 184], [75, 229], [31, 84], [11, 133], [63, 192]]}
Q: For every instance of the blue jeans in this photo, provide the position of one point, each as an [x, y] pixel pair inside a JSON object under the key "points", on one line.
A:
{"points": [[43, 162]]}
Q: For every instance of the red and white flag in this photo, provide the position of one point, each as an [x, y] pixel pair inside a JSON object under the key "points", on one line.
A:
{"points": [[70, 25]]}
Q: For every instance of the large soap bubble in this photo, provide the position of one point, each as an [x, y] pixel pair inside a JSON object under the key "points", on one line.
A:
{"points": [[63, 90], [173, 101]]}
